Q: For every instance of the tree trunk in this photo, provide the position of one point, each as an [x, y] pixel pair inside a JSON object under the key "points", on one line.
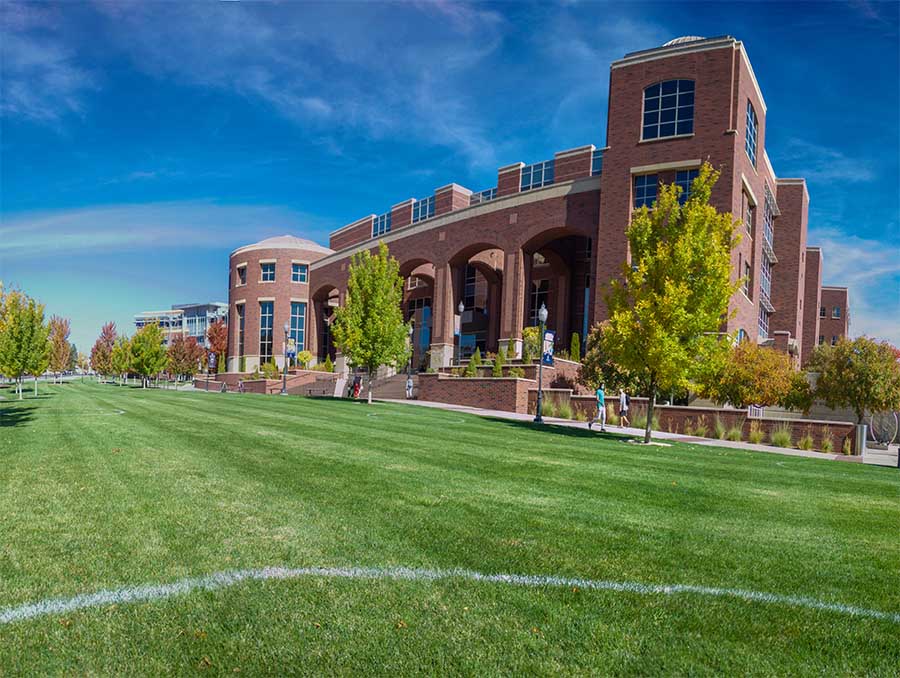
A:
{"points": [[19, 388], [651, 404], [369, 385], [35, 386]]}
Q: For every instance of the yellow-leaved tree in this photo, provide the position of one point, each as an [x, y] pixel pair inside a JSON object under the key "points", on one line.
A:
{"points": [[666, 313]]}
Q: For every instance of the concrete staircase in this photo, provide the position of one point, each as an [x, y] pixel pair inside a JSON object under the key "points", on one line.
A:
{"points": [[392, 388]]}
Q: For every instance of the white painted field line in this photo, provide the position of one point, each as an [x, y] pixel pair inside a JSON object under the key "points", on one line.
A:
{"points": [[224, 579]]}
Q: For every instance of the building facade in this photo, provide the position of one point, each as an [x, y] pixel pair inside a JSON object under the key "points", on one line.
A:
{"points": [[188, 320], [553, 232], [268, 290]]}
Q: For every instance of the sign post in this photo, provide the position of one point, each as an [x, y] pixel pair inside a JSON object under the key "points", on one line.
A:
{"points": [[210, 366]]}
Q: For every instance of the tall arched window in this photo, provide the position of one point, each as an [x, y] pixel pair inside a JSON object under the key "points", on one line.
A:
{"points": [[668, 109], [750, 135]]}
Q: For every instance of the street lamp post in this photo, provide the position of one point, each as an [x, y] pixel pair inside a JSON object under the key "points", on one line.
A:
{"points": [[460, 308], [287, 328], [542, 316]]}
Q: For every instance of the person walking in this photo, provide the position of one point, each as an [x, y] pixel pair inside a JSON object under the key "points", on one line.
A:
{"points": [[409, 387], [601, 410], [624, 405]]}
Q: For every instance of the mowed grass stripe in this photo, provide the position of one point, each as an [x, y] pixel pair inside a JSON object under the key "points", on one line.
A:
{"points": [[184, 484]]}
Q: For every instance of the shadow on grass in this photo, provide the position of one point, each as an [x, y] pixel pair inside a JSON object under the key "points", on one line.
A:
{"points": [[568, 431], [15, 416]]}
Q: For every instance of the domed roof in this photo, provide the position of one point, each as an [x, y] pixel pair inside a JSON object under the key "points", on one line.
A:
{"points": [[286, 242], [683, 39]]}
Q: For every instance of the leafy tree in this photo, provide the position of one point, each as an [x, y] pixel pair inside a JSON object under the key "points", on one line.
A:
{"points": [[60, 348], [862, 374], [369, 328], [303, 358], [73, 358], [83, 363], [750, 374], [148, 353], [665, 314], [531, 343], [575, 347], [24, 345], [101, 353], [217, 335], [597, 368], [120, 358], [184, 357]]}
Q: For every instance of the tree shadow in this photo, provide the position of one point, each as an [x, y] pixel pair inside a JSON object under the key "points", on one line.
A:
{"points": [[567, 431], [15, 416]]}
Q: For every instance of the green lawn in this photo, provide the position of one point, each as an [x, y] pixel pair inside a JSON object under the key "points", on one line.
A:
{"points": [[105, 487]]}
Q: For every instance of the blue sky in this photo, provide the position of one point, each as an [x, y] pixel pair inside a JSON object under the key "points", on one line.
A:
{"points": [[141, 143]]}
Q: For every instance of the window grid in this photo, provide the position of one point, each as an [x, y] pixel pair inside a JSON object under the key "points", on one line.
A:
{"points": [[381, 224], [540, 293], [747, 274], [423, 209], [768, 223], [299, 273], [537, 175], [685, 178], [763, 323], [836, 312], [668, 109], [240, 314], [645, 190], [483, 196], [765, 280], [298, 324], [267, 272], [265, 331], [822, 311], [596, 162], [750, 135]]}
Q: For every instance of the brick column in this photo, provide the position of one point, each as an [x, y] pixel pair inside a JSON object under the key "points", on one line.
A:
{"points": [[442, 312], [512, 312], [451, 197], [509, 179], [311, 334]]}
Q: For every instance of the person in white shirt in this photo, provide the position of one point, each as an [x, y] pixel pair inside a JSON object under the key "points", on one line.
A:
{"points": [[409, 387], [624, 403]]}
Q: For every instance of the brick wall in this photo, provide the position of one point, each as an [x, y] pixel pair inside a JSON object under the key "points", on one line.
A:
{"points": [[829, 326], [505, 394], [812, 301]]}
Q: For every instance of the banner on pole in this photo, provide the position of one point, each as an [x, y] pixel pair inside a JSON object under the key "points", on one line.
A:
{"points": [[547, 350]]}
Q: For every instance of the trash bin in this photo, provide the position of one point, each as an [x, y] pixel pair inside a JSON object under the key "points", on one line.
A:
{"points": [[860, 439]]}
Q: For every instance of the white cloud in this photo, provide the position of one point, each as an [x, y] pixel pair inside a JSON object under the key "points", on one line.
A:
{"points": [[815, 162], [871, 271], [156, 226], [40, 80]]}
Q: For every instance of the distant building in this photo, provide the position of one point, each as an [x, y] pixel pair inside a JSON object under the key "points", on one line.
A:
{"points": [[189, 320]]}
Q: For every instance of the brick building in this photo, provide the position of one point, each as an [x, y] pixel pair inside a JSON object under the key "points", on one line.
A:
{"points": [[553, 232]]}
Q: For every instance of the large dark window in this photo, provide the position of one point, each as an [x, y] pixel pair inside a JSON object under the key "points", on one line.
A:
{"points": [[645, 190], [668, 109], [685, 178], [242, 275], [240, 315], [299, 272], [750, 135], [265, 331], [423, 209], [537, 175], [540, 293], [267, 272], [298, 324]]}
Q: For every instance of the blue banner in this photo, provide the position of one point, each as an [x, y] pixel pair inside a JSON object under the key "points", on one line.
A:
{"points": [[547, 350]]}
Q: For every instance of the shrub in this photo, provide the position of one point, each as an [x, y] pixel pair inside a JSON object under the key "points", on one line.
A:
{"points": [[548, 407], [471, 369], [756, 435], [845, 448], [564, 410], [430, 370], [242, 365], [575, 347], [806, 442], [303, 358], [499, 361], [734, 434], [270, 370], [611, 417], [328, 366], [527, 357], [531, 342], [827, 441], [688, 426], [476, 357], [719, 428], [701, 429], [781, 435], [580, 415], [517, 372]]}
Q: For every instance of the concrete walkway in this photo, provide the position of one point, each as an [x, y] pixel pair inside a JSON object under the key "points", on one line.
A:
{"points": [[626, 431]]}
